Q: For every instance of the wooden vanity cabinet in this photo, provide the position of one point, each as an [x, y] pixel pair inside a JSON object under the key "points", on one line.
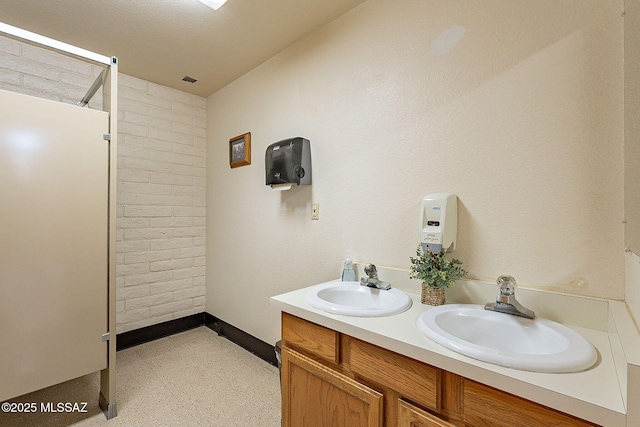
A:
{"points": [[331, 379]]}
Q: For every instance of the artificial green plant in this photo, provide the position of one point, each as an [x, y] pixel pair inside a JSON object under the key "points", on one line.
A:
{"points": [[435, 270]]}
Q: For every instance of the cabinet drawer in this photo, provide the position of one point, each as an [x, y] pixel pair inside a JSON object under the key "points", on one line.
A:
{"points": [[412, 416], [487, 407], [414, 380], [312, 338]]}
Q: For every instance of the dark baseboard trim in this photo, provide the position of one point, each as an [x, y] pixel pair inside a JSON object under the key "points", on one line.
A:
{"points": [[247, 341], [150, 333], [160, 330]]}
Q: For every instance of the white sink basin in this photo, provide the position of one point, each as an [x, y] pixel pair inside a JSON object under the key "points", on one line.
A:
{"points": [[353, 299], [537, 345]]}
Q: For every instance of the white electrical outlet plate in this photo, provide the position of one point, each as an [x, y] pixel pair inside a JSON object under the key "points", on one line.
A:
{"points": [[315, 211]]}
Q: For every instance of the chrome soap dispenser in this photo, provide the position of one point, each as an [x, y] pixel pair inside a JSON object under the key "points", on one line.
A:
{"points": [[439, 222]]}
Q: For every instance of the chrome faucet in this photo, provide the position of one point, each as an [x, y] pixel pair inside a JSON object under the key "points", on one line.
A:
{"points": [[372, 278], [506, 301]]}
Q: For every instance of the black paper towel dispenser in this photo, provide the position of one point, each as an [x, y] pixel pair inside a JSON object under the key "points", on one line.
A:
{"points": [[288, 162]]}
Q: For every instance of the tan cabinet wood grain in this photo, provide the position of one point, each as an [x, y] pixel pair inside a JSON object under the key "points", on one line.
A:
{"points": [[315, 339], [316, 396], [412, 379], [487, 407], [412, 416]]}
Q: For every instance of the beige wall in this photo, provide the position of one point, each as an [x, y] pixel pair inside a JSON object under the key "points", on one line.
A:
{"points": [[516, 107]]}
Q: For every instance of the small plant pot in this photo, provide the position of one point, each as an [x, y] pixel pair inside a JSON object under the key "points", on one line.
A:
{"points": [[432, 296]]}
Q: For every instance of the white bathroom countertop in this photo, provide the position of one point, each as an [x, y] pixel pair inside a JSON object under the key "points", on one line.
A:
{"points": [[598, 394]]}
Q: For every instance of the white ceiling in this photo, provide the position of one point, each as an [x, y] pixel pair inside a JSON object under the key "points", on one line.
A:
{"points": [[164, 40]]}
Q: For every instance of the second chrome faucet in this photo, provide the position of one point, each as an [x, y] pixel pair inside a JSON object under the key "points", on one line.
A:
{"points": [[506, 301]]}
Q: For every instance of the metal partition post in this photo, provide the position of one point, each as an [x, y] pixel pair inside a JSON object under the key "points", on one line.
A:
{"points": [[108, 376]]}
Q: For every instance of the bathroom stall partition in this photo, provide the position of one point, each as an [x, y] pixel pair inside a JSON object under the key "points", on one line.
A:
{"points": [[57, 238]]}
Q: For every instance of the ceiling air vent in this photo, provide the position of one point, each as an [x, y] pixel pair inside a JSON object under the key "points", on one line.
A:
{"points": [[189, 79]]}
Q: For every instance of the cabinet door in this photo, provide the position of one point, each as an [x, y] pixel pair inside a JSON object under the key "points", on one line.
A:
{"points": [[412, 416], [314, 395]]}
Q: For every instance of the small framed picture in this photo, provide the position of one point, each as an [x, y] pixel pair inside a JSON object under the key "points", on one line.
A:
{"points": [[240, 150]]}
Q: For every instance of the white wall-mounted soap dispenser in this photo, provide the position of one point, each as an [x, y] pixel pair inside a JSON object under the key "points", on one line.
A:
{"points": [[439, 222]]}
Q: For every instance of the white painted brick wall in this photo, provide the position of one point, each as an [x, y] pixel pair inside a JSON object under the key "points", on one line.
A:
{"points": [[40, 72], [161, 202]]}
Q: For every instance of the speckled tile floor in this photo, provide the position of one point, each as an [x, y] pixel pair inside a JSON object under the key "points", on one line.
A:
{"points": [[194, 378]]}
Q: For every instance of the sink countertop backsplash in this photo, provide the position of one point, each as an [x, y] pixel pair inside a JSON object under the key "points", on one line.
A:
{"points": [[599, 394], [587, 312]]}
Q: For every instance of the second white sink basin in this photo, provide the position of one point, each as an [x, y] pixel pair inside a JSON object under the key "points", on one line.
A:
{"points": [[537, 345], [353, 299]]}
